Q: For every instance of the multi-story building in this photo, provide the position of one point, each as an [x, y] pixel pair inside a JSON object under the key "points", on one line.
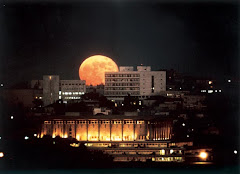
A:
{"points": [[125, 138], [142, 83], [109, 128], [50, 89], [71, 89], [55, 89]]}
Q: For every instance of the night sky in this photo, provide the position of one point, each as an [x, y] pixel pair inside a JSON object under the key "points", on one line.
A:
{"points": [[54, 38]]}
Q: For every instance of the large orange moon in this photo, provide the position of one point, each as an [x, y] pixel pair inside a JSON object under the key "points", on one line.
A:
{"points": [[93, 69]]}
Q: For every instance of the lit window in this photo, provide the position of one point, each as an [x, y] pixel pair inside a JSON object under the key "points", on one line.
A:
{"points": [[210, 91], [162, 152]]}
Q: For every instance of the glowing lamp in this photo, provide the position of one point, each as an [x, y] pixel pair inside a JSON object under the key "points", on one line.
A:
{"points": [[1, 154], [203, 155]]}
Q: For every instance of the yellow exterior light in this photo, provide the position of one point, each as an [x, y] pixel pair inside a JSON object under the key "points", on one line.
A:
{"points": [[209, 82], [203, 155], [1, 154]]}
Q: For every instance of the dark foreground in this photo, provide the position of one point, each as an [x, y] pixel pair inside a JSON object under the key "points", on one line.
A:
{"points": [[174, 170]]}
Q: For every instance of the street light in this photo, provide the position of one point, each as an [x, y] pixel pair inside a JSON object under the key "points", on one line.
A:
{"points": [[235, 151], [1, 154], [203, 155]]}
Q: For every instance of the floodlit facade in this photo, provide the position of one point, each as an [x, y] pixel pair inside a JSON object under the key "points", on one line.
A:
{"points": [[125, 138], [142, 83], [105, 128]]}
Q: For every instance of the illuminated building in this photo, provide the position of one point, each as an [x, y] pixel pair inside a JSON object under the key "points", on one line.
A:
{"points": [[142, 83], [118, 136], [54, 89], [125, 138], [109, 128], [71, 89]]}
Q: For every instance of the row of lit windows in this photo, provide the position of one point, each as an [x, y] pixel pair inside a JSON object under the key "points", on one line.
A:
{"points": [[122, 84], [122, 75], [122, 80], [211, 91], [72, 93], [117, 88], [72, 97]]}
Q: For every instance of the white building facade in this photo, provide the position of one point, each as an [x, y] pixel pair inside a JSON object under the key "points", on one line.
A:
{"points": [[55, 89], [142, 83], [72, 89]]}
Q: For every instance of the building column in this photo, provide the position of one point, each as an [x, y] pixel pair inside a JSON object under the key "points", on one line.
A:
{"points": [[134, 130], [110, 130], [75, 129], [98, 130], [87, 128], [122, 129]]}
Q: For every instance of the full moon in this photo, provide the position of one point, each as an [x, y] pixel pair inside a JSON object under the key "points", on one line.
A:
{"points": [[93, 69]]}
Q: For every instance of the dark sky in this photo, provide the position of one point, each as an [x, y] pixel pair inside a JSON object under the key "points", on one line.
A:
{"points": [[54, 38]]}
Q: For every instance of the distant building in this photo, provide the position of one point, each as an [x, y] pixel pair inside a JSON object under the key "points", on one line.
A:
{"points": [[102, 110], [37, 84], [21, 96], [71, 89], [55, 89], [142, 83], [194, 101], [50, 89]]}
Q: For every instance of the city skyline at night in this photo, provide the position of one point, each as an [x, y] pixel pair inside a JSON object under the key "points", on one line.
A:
{"points": [[198, 38], [113, 84]]}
